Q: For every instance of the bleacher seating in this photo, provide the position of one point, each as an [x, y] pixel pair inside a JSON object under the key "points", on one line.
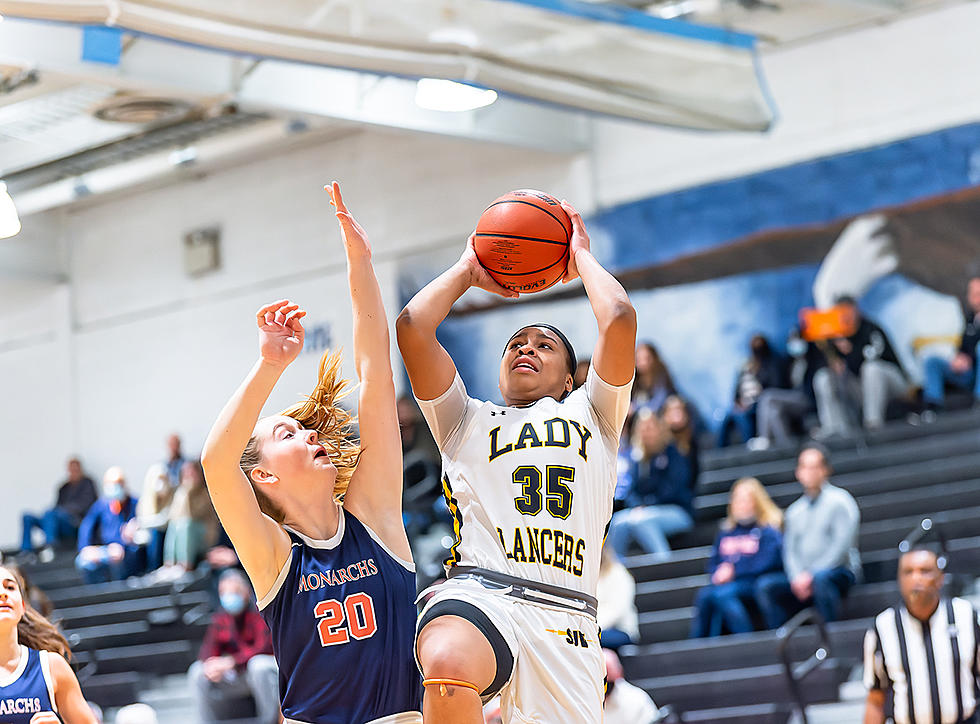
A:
{"points": [[899, 475], [124, 633]]}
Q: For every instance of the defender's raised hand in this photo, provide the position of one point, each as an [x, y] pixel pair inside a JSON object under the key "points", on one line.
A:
{"points": [[355, 238], [280, 332]]}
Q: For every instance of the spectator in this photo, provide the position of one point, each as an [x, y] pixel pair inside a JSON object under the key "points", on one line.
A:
{"points": [[961, 371], [676, 414], [236, 657], [658, 499], [863, 373], [153, 512], [60, 523], [749, 545], [653, 383], [781, 412], [763, 370], [820, 555], [916, 650], [174, 460], [623, 702], [193, 523], [618, 621], [106, 549]]}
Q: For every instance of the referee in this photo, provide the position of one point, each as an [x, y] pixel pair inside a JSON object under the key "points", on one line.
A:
{"points": [[925, 651]]}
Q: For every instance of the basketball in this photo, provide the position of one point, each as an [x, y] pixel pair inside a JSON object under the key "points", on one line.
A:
{"points": [[522, 240]]}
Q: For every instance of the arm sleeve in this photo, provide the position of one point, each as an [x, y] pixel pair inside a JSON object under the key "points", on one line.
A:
{"points": [[791, 557], [445, 413], [611, 404], [767, 558], [209, 647], [255, 642], [715, 559], [842, 537], [86, 528], [874, 663]]}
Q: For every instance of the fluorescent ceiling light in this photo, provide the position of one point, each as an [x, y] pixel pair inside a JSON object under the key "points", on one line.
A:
{"points": [[9, 221], [445, 95]]}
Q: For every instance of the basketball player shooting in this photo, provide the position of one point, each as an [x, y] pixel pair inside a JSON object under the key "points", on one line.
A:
{"points": [[529, 485]]}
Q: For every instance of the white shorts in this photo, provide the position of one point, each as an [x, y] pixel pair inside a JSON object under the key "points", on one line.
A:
{"points": [[558, 664]]}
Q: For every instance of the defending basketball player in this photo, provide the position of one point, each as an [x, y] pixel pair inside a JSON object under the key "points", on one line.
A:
{"points": [[37, 686], [530, 487], [316, 519]]}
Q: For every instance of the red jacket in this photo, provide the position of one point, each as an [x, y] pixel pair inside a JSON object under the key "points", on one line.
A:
{"points": [[240, 637]]}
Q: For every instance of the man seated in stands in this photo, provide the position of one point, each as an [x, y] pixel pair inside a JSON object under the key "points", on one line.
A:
{"points": [[863, 373], [925, 650], [820, 554], [658, 489], [625, 703], [236, 658], [60, 523], [961, 370], [106, 550]]}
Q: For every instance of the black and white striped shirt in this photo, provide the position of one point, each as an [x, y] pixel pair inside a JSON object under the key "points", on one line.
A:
{"points": [[931, 667]]}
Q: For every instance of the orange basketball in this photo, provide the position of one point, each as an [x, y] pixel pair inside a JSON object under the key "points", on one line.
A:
{"points": [[522, 240]]}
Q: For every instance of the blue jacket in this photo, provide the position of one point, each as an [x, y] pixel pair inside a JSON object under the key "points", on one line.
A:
{"points": [[665, 479], [752, 550], [101, 526]]}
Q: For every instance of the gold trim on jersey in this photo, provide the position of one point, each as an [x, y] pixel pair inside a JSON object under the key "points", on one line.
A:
{"points": [[447, 493]]}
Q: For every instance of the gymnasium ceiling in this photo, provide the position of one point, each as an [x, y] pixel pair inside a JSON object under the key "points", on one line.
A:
{"points": [[205, 82]]}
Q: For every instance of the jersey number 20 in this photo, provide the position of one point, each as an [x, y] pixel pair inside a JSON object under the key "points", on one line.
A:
{"points": [[558, 496], [341, 621]]}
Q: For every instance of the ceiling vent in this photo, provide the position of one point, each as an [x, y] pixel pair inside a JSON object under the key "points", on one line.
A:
{"points": [[146, 110]]}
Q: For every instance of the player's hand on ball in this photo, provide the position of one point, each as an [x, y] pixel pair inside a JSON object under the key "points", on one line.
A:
{"points": [[280, 332], [355, 238], [580, 240], [478, 276]]}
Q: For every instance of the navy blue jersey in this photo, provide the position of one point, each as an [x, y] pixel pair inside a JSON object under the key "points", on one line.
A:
{"points": [[28, 690], [342, 615]]}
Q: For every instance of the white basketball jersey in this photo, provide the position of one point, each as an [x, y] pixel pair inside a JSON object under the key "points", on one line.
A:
{"points": [[530, 488]]}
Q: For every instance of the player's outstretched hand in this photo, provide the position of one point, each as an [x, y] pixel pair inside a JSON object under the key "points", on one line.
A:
{"points": [[355, 238], [580, 240], [478, 275], [280, 332]]}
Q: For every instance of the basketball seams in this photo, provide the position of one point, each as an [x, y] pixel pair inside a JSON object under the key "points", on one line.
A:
{"points": [[492, 234], [568, 236], [526, 273]]}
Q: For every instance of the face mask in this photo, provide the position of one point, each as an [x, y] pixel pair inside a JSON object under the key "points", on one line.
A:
{"points": [[796, 347], [116, 492], [233, 603]]}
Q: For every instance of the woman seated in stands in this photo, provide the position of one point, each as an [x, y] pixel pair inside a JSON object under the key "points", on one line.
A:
{"points": [[676, 414], [658, 491], [748, 545], [652, 383]]}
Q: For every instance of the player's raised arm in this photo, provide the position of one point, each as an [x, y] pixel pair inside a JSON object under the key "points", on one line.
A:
{"points": [[375, 491], [262, 546], [615, 350], [430, 368]]}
